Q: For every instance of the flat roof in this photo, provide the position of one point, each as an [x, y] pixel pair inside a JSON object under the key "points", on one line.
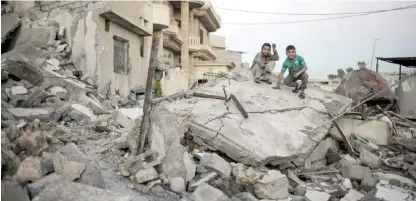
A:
{"points": [[404, 61]]}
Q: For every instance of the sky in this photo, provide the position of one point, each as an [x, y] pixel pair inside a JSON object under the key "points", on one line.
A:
{"points": [[325, 45]]}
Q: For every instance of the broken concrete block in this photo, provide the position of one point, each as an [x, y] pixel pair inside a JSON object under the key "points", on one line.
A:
{"points": [[68, 191], [37, 187], [12, 191], [355, 172], [200, 169], [22, 70], [172, 159], [206, 178], [314, 195], [72, 170], [146, 175], [348, 160], [393, 193], [177, 184], [352, 195], [273, 185], [121, 142], [8, 24], [39, 36], [300, 190], [34, 142], [143, 161], [92, 174], [32, 113], [368, 183], [245, 175], [190, 166], [347, 183], [375, 131], [216, 163], [245, 196], [82, 113], [238, 137], [95, 105], [18, 90], [31, 169], [206, 192], [126, 117], [370, 159]]}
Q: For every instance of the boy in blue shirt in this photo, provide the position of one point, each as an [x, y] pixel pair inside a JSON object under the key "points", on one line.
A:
{"points": [[297, 71]]}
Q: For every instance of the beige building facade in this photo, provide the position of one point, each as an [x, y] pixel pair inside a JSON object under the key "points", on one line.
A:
{"points": [[111, 41]]}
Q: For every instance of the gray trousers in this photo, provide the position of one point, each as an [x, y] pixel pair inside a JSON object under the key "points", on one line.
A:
{"points": [[290, 80], [263, 74]]}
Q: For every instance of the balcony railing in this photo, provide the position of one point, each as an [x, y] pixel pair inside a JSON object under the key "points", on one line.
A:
{"points": [[194, 43]]}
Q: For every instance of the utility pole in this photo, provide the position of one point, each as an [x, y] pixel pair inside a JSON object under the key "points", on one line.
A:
{"points": [[374, 48]]}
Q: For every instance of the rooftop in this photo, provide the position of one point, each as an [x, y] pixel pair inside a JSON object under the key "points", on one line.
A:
{"points": [[409, 62]]}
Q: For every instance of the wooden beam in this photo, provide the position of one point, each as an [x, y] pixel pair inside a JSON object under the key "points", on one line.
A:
{"points": [[144, 127]]}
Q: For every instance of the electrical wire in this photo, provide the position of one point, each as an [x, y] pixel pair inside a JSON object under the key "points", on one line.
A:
{"points": [[322, 19], [277, 13]]}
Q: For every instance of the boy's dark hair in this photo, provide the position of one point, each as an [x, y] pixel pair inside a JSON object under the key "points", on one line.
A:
{"points": [[290, 47], [266, 45]]}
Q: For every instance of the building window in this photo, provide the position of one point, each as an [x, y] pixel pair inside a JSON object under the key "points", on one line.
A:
{"points": [[121, 47], [201, 36]]}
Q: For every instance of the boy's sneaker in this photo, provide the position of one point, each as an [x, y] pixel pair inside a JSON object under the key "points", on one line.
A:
{"points": [[296, 90], [302, 94]]}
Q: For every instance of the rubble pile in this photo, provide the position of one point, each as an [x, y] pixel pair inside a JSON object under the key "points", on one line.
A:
{"points": [[227, 140]]}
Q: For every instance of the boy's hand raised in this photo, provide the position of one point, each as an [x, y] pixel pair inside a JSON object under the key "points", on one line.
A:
{"points": [[274, 46]]}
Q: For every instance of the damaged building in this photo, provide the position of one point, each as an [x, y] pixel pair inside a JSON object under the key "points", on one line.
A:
{"points": [[71, 130]]}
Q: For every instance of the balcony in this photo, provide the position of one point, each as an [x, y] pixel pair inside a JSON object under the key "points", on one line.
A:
{"points": [[192, 3], [203, 51], [161, 19], [208, 16], [194, 44], [173, 37]]}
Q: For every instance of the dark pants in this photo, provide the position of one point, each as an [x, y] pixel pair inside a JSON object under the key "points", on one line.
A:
{"points": [[290, 80]]}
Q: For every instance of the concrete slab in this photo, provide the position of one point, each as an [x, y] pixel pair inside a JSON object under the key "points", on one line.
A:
{"points": [[86, 112], [279, 126], [39, 36], [32, 113], [393, 193], [126, 117]]}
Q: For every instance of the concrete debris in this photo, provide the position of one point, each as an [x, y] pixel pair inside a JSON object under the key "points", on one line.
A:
{"points": [[317, 158], [348, 160], [126, 117], [273, 185], [245, 175], [68, 191], [30, 169], [39, 36], [368, 183], [206, 192], [23, 70], [355, 172], [219, 126], [143, 161], [18, 90], [190, 166], [347, 183], [393, 193], [245, 196], [32, 113], [81, 113], [37, 187], [8, 24], [72, 170], [375, 131], [206, 178], [146, 175], [12, 191], [314, 195], [34, 142], [370, 159], [177, 184], [216, 163], [352, 195]]}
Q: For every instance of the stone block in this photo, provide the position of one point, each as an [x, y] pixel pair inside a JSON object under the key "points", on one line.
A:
{"points": [[18, 90], [370, 159], [314, 195], [273, 185], [146, 175], [37, 187], [32, 113], [31, 169], [206, 192], [206, 178], [12, 191], [368, 183]]}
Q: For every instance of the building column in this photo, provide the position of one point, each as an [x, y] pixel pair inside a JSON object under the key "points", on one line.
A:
{"points": [[185, 35]]}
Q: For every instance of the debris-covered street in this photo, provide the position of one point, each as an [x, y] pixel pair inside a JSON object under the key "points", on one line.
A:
{"points": [[69, 134]]}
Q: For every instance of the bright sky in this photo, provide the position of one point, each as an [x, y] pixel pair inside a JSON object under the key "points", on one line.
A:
{"points": [[325, 45]]}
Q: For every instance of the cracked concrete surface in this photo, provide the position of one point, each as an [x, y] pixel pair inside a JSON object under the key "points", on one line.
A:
{"points": [[279, 126]]}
